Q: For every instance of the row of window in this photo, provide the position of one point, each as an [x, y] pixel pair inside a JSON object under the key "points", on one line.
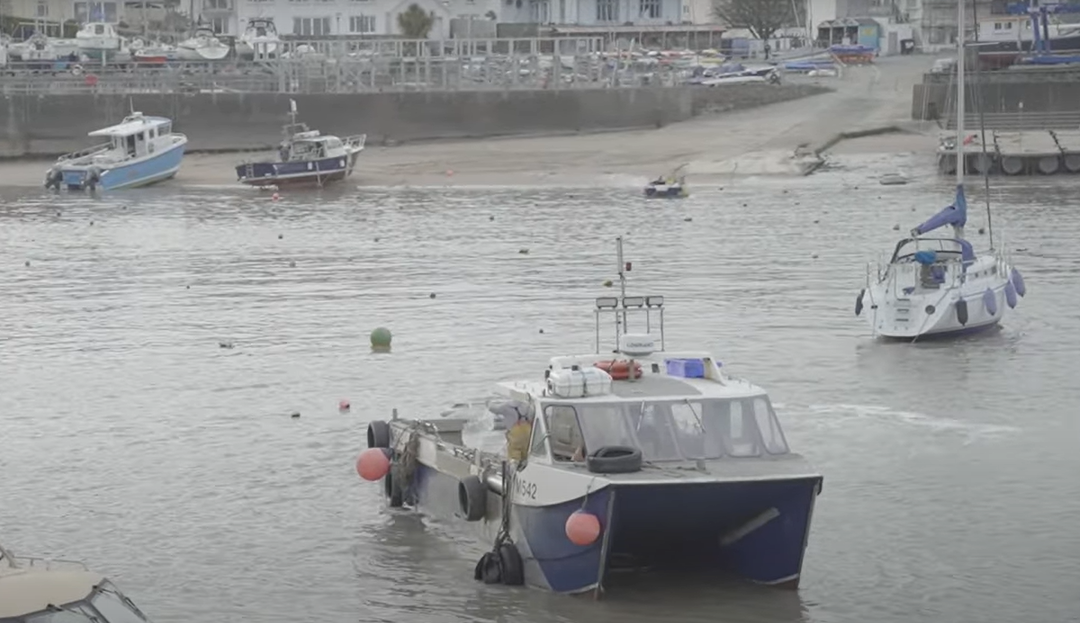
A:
{"points": [[608, 10], [664, 431], [320, 26]]}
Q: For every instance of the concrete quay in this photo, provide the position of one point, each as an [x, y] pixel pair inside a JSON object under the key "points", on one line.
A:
{"points": [[46, 126]]}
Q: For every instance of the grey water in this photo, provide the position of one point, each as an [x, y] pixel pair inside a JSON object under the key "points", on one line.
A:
{"points": [[131, 440]]}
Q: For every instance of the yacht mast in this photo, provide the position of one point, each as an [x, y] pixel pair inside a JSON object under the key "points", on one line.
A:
{"points": [[961, 94]]}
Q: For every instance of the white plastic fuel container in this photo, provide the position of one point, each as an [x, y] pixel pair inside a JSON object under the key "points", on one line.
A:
{"points": [[568, 383]]}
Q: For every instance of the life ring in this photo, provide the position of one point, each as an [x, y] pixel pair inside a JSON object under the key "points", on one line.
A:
{"points": [[619, 369]]}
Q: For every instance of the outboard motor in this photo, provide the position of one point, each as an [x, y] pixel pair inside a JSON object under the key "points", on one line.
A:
{"points": [[93, 178], [53, 179]]}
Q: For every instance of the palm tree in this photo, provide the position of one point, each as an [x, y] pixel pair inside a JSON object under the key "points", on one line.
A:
{"points": [[415, 22]]}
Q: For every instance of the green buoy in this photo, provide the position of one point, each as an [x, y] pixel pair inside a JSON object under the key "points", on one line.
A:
{"points": [[380, 338]]}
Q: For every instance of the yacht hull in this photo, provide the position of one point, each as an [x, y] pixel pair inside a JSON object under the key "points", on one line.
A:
{"points": [[756, 529], [934, 314]]}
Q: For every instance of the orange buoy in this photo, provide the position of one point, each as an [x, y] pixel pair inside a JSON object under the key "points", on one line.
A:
{"points": [[582, 528], [619, 369], [373, 464], [343, 405]]}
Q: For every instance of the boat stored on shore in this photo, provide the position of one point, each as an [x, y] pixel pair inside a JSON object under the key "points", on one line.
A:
{"points": [[634, 460], [141, 150], [36, 590], [305, 157]]}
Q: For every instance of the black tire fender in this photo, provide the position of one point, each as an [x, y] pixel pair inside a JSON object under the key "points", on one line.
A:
{"points": [[614, 460], [378, 434], [472, 498], [395, 497]]}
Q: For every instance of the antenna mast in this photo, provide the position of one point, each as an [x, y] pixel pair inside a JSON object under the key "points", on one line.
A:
{"points": [[621, 318]]}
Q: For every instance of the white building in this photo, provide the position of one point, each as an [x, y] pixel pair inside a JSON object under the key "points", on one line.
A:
{"points": [[313, 19]]}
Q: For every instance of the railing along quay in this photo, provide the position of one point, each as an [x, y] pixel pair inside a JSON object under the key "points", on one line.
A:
{"points": [[338, 66], [359, 76]]}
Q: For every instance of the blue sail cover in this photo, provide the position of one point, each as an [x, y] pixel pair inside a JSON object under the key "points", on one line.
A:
{"points": [[955, 215]]}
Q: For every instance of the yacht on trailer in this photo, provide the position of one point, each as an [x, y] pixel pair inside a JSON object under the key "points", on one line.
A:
{"points": [[632, 459]]}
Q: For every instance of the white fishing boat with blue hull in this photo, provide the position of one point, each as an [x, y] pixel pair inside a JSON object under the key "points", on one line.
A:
{"points": [[141, 151], [940, 287], [636, 459]]}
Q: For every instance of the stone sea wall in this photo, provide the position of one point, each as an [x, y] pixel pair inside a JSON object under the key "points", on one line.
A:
{"points": [[48, 125]]}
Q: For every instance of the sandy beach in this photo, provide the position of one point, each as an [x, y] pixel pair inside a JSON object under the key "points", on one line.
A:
{"points": [[773, 140]]}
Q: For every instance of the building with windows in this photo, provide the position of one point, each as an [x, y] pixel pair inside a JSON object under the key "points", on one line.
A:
{"points": [[316, 19]]}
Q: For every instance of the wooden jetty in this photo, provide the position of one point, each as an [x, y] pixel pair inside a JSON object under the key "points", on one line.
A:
{"points": [[1031, 152]]}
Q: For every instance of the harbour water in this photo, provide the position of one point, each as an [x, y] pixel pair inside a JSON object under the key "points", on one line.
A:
{"points": [[129, 438]]}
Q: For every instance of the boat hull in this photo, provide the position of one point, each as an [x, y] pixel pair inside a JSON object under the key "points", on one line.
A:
{"points": [[934, 315], [309, 173], [653, 525], [665, 192], [161, 166]]}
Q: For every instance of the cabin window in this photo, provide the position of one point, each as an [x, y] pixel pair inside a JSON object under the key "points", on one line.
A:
{"points": [[769, 427], [737, 427], [165, 128], [115, 607], [655, 434], [538, 446], [566, 438], [696, 438], [606, 425]]}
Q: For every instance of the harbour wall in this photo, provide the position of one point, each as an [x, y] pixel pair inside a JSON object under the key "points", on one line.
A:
{"points": [[49, 125], [1013, 92]]}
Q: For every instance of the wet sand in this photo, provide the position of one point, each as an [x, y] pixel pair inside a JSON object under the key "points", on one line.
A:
{"points": [[772, 140]]}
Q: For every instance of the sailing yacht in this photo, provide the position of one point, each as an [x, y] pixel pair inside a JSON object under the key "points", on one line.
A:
{"points": [[935, 284]]}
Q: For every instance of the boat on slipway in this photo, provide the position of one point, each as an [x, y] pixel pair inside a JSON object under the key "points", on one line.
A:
{"points": [[36, 590], [305, 157], [141, 150], [635, 459], [938, 286]]}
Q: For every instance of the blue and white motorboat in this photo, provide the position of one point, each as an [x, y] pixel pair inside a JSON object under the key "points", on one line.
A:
{"points": [[635, 459], [141, 150], [937, 285], [305, 157], [735, 73]]}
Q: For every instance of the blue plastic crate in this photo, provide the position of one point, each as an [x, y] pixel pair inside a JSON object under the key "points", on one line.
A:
{"points": [[686, 368]]}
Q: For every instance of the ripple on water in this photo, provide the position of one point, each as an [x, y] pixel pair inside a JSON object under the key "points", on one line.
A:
{"points": [[133, 441]]}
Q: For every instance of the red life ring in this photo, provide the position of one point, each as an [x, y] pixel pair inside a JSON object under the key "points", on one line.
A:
{"points": [[619, 369]]}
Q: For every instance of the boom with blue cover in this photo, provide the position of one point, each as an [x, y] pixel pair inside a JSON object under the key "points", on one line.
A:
{"points": [[955, 215]]}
